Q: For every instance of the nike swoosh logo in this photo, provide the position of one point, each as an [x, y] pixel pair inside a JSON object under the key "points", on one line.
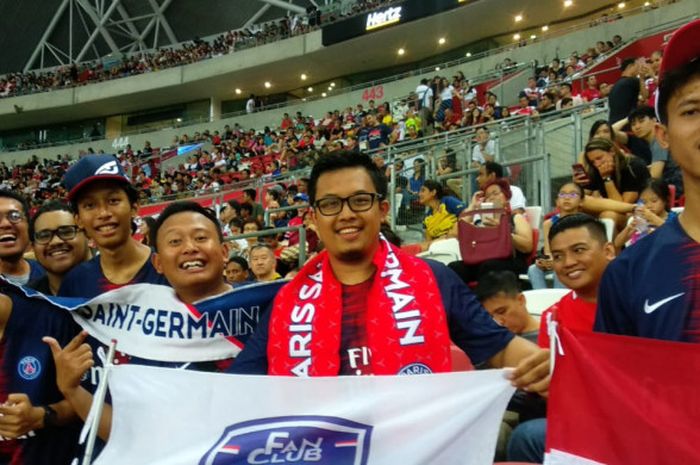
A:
{"points": [[651, 308]]}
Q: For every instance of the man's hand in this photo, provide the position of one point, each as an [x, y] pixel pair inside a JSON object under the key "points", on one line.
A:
{"points": [[532, 373], [18, 416], [71, 362]]}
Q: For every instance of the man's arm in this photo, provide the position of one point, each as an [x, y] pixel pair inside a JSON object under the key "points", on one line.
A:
{"points": [[656, 169], [72, 361], [618, 134], [531, 365], [18, 416]]}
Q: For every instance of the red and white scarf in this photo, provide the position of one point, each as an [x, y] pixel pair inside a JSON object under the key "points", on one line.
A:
{"points": [[406, 323]]}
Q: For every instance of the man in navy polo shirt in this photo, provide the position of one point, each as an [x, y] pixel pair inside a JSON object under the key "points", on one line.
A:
{"points": [[652, 289]]}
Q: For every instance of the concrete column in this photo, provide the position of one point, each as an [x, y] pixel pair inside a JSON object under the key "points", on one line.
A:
{"points": [[214, 109]]}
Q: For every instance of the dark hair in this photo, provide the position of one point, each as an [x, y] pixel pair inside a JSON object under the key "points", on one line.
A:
{"points": [[596, 125], [151, 222], [580, 220], [566, 101], [18, 197], [252, 193], [494, 283], [433, 185], [235, 204], [660, 188], [345, 159], [240, 260], [493, 167], [671, 82], [550, 95], [181, 207], [51, 206], [626, 63], [641, 113], [566, 84], [390, 235], [274, 193], [246, 206]]}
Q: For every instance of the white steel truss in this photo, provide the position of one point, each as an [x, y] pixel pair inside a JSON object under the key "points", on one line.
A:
{"points": [[107, 23]]}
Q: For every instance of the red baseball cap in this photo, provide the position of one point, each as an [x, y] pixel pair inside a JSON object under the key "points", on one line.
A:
{"points": [[682, 48]]}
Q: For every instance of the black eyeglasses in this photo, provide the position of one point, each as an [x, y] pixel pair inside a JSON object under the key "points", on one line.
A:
{"points": [[360, 202], [13, 216], [65, 233]]}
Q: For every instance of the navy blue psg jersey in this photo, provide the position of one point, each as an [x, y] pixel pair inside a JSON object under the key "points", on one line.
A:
{"points": [[26, 366], [88, 280], [652, 289]]}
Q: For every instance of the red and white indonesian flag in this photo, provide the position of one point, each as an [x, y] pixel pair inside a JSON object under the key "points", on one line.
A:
{"points": [[166, 416], [618, 400]]}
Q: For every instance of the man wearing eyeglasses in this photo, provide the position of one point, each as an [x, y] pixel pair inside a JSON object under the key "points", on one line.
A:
{"points": [[59, 244], [14, 240], [363, 307], [36, 422]]}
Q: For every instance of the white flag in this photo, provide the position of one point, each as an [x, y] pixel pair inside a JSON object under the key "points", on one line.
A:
{"points": [[165, 416]]}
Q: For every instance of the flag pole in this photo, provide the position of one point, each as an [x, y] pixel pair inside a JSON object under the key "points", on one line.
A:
{"points": [[95, 414]]}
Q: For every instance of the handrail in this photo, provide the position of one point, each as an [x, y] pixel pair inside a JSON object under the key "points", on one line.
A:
{"points": [[273, 231], [268, 211]]}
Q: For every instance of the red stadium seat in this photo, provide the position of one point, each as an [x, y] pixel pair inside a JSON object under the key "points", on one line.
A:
{"points": [[411, 249], [460, 361]]}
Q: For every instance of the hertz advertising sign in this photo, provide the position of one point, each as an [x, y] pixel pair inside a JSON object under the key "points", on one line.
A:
{"points": [[400, 13]]}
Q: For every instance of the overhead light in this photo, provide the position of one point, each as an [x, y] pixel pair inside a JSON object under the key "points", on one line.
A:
{"points": [[621, 5], [516, 36], [323, 94], [441, 41], [400, 51], [518, 18], [568, 3], [267, 84], [468, 54], [179, 120], [533, 37], [545, 28], [304, 99], [437, 68], [647, 3], [303, 77], [332, 84], [238, 91], [330, 88], [310, 89]]}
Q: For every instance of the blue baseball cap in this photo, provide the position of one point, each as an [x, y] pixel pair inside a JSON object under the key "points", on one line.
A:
{"points": [[93, 168], [301, 196]]}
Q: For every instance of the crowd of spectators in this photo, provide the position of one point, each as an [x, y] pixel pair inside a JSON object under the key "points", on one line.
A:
{"points": [[77, 74]]}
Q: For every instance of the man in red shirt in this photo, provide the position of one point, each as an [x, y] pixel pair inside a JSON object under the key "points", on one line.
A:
{"points": [[591, 91], [580, 254]]}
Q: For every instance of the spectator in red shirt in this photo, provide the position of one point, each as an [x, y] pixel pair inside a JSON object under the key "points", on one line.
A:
{"points": [[591, 91], [580, 254]]}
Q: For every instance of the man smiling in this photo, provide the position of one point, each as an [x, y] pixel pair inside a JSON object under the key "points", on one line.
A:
{"points": [[14, 240], [362, 307], [106, 204]]}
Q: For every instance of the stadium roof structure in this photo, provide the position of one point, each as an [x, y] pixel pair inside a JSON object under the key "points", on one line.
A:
{"points": [[38, 35]]}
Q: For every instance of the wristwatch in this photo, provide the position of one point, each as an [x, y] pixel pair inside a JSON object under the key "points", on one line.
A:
{"points": [[50, 416], [607, 179]]}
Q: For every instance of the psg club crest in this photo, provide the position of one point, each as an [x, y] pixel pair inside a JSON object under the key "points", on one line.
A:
{"points": [[292, 440], [29, 368]]}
